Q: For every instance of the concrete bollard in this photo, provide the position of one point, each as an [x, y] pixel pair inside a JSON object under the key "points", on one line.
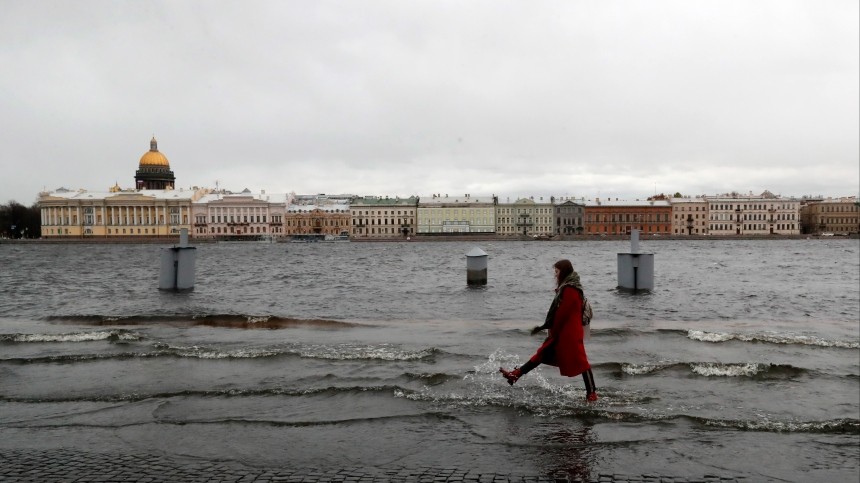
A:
{"points": [[635, 270], [177, 266], [476, 267]]}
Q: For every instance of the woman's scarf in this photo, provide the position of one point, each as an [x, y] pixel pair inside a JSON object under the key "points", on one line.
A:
{"points": [[571, 280]]}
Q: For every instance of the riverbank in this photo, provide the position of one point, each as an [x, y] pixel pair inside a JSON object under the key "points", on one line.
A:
{"points": [[173, 240]]}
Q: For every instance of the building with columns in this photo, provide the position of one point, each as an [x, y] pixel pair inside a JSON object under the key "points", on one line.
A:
{"points": [[154, 209], [438, 214], [526, 217], [239, 216], [765, 214], [117, 213]]}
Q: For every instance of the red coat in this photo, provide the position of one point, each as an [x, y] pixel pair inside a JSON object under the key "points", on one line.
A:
{"points": [[564, 347]]}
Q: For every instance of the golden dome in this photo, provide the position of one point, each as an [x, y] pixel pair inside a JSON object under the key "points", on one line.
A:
{"points": [[153, 157]]}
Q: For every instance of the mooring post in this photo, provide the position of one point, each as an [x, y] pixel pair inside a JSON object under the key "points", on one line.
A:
{"points": [[476, 267], [635, 269], [177, 266]]}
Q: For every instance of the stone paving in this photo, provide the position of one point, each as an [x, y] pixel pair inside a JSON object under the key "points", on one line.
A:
{"points": [[77, 466]]}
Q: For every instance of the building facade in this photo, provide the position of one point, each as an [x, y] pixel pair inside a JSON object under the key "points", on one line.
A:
{"points": [[378, 217], [316, 216], [569, 217], [689, 216], [839, 216], [439, 214], [608, 217], [228, 216], [131, 213], [753, 215], [526, 217]]}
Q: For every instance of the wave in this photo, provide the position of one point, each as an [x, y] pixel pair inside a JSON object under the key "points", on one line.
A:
{"points": [[551, 409], [842, 426], [708, 369], [772, 338], [383, 352], [113, 335], [556, 409], [234, 321], [433, 379], [342, 352], [761, 337], [224, 393]]}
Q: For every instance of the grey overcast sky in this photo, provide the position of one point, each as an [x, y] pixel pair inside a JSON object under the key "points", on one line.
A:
{"points": [[598, 98]]}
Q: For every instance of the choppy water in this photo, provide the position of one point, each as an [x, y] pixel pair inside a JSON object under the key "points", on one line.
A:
{"points": [[744, 360]]}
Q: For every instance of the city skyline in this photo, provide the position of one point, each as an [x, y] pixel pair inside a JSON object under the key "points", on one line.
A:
{"points": [[612, 100]]}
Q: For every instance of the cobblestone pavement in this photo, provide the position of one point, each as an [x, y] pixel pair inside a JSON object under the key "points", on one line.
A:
{"points": [[76, 466]]}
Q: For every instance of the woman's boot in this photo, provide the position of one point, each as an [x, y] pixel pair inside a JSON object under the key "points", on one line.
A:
{"points": [[511, 376]]}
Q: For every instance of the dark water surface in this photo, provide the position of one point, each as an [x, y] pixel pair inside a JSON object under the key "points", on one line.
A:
{"points": [[744, 360]]}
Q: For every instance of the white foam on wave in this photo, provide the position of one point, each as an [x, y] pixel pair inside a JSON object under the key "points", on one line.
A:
{"points": [[78, 336], [258, 320], [837, 425], [639, 369], [772, 338], [207, 353], [314, 352], [726, 370], [382, 353]]}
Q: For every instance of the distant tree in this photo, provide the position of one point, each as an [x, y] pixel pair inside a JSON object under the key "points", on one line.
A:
{"points": [[677, 195], [18, 221]]}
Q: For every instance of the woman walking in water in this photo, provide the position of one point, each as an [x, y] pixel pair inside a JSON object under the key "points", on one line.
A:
{"points": [[563, 347]]}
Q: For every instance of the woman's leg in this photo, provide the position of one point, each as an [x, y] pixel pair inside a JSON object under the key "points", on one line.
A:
{"points": [[590, 386], [513, 376]]}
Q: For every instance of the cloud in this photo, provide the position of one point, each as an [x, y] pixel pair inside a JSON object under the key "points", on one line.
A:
{"points": [[384, 97]]}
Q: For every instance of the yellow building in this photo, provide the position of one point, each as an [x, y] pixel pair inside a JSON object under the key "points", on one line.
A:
{"points": [[118, 213], [144, 213], [439, 214], [378, 217], [837, 216], [527, 217]]}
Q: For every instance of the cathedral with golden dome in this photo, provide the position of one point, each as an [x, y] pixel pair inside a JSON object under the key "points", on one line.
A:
{"points": [[154, 171]]}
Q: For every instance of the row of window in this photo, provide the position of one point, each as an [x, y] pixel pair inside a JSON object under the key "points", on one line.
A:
{"points": [[90, 220], [624, 230], [383, 231], [374, 221], [754, 227], [839, 208], [770, 206], [382, 213], [233, 219], [627, 217]]}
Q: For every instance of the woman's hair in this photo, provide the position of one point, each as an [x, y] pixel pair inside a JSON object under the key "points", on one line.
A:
{"points": [[565, 268]]}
